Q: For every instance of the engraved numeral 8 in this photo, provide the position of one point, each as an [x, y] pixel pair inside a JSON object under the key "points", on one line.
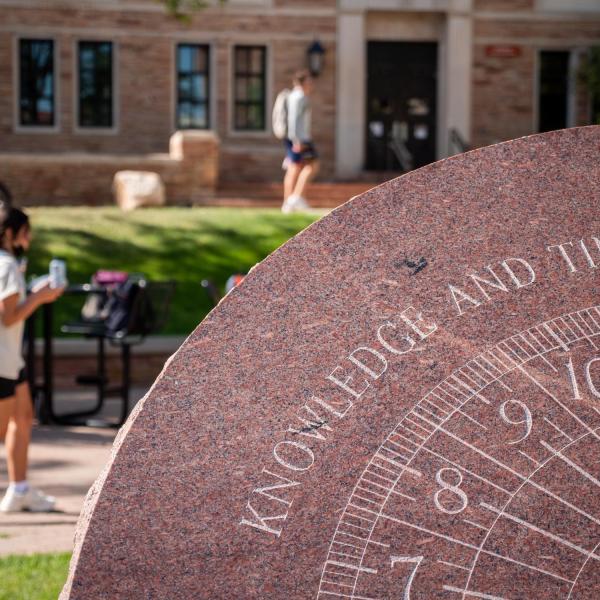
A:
{"points": [[453, 488]]}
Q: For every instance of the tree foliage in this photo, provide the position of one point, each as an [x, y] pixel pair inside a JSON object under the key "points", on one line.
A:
{"points": [[184, 9]]}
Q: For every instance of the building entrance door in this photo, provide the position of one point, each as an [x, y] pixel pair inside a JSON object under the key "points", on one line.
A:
{"points": [[401, 105]]}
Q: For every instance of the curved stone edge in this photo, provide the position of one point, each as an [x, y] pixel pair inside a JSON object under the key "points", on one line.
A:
{"points": [[91, 499]]}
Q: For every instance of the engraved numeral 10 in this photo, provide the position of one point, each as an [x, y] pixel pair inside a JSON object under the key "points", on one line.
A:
{"points": [[588, 378]]}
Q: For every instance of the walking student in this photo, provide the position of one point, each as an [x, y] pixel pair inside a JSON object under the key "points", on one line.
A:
{"points": [[301, 155], [16, 411]]}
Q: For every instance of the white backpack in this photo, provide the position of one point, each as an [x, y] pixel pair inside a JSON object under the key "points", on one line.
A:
{"points": [[280, 115]]}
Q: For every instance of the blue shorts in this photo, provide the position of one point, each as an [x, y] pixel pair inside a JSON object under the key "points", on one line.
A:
{"points": [[308, 153]]}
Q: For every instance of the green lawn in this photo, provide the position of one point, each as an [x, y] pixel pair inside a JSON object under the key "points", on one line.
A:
{"points": [[36, 577], [185, 244]]}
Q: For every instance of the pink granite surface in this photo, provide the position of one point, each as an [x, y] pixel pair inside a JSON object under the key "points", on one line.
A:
{"points": [[401, 402]]}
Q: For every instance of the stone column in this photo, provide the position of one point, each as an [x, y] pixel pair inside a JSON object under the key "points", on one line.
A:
{"points": [[351, 74], [459, 45]]}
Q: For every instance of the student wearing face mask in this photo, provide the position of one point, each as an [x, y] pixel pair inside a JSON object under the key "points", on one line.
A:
{"points": [[16, 411]]}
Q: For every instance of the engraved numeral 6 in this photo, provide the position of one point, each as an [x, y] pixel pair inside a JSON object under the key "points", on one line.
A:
{"points": [[408, 559], [451, 488]]}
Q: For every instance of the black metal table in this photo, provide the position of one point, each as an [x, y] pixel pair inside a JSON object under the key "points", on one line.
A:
{"points": [[42, 390]]}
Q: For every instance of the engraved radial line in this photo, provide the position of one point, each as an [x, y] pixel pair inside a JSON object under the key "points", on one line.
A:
{"points": [[533, 460], [569, 462], [478, 525], [405, 439], [469, 378], [585, 562], [478, 375], [539, 530], [558, 429], [582, 423], [526, 341], [540, 354], [352, 567], [450, 588], [581, 314], [346, 595], [494, 485], [452, 406], [585, 335], [497, 378], [555, 336], [539, 331], [491, 458], [370, 492], [568, 326], [366, 500], [591, 316], [487, 368], [473, 547], [449, 564], [396, 454]]}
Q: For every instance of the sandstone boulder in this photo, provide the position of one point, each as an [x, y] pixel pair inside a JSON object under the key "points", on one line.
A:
{"points": [[135, 189]]}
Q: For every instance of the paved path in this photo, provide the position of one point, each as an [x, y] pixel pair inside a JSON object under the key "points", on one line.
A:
{"points": [[64, 462]]}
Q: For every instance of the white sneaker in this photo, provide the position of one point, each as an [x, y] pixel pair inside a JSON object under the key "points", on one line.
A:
{"points": [[32, 500], [294, 203]]}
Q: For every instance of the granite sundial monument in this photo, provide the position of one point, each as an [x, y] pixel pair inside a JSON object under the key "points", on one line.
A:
{"points": [[402, 402]]}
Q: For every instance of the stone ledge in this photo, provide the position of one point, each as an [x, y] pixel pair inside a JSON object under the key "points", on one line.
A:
{"points": [[79, 347], [86, 157]]}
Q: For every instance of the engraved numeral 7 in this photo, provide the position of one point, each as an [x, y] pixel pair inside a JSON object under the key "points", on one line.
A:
{"points": [[408, 559]]}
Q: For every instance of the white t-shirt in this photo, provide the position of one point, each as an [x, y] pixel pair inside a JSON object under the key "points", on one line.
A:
{"points": [[11, 338], [299, 116]]}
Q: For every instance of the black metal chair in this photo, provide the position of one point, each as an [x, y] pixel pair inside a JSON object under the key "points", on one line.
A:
{"points": [[146, 314], [211, 291]]}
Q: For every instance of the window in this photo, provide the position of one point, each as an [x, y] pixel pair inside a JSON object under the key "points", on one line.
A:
{"points": [[554, 90], [36, 83], [95, 84], [193, 85], [249, 82]]}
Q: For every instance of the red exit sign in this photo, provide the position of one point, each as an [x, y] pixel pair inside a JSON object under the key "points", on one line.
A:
{"points": [[503, 51]]}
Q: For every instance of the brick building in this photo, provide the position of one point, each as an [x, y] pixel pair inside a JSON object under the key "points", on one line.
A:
{"points": [[404, 81]]}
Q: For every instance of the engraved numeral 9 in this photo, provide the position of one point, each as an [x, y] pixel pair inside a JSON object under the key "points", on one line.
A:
{"points": [[527, 420]]}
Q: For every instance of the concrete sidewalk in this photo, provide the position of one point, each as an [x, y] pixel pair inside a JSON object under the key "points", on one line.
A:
{"points": [[64, 462]]}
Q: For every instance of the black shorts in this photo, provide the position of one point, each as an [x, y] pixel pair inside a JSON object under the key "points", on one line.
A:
{"points": [[308, 153], [8, 386]]}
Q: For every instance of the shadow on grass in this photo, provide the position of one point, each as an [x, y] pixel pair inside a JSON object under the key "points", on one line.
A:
{"points": [[211, 249]]}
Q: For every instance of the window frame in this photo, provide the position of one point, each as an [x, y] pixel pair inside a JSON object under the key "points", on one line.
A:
{"points": [[233, 129], [18, 127], [90, 129], [209, 101]]}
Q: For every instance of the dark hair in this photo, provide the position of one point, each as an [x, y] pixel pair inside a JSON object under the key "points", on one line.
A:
{"points": [[5, 196], [301, 76], [12, 219]]}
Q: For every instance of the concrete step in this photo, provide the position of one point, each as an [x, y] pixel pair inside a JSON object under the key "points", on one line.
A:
{"points": [[320, 195]]}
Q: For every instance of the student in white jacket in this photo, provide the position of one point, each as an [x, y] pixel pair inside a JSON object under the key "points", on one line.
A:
{"points": [[301, 154], [16, 413]]}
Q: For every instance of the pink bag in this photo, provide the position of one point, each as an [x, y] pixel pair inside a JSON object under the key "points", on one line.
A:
{"points": [[102, 277]]}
